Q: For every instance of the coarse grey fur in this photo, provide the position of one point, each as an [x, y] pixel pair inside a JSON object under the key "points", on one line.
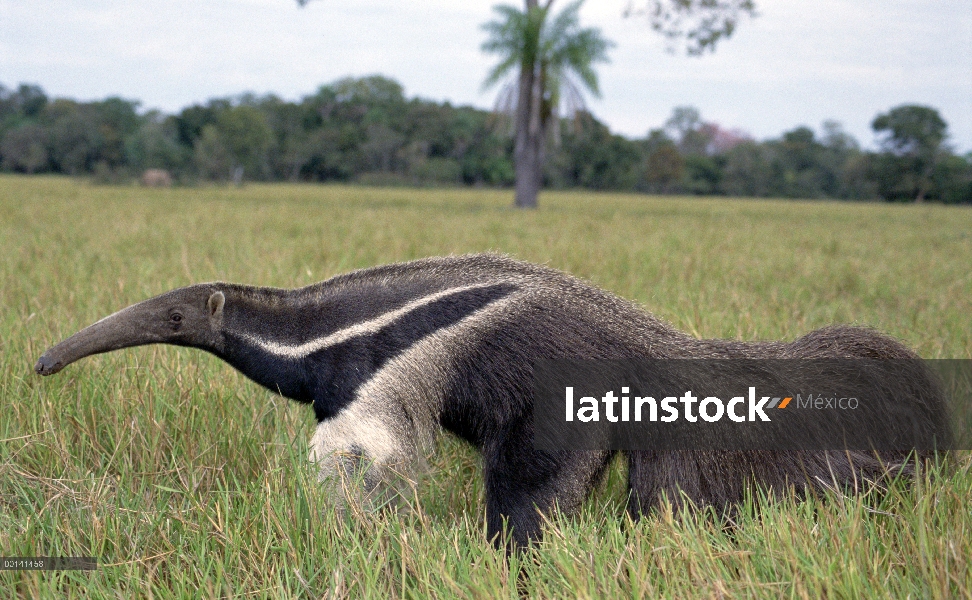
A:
{"points": [[389, 356]]}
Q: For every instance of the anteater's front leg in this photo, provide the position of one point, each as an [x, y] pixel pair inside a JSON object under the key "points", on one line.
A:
{"points": [[368, 451]]}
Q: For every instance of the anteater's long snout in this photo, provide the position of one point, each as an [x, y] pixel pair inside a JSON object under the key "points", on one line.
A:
{"points": [[47, 365], [103, 336], [120, 330]]}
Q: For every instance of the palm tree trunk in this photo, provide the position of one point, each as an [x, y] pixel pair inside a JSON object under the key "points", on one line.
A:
{"points": [[528, 149], [527, 180], [528, 152]]}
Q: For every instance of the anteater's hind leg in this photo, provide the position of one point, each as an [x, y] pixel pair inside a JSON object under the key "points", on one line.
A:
{"points": [[522, 482]]}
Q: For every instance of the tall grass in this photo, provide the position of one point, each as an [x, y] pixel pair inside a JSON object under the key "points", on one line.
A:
{"points": [[186, 479]]}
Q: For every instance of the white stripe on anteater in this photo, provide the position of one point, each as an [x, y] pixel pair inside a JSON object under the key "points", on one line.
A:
{"points": [[358, 329]]}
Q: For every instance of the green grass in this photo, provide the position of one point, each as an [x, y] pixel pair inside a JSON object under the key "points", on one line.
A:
{"points": [[180, 475]]}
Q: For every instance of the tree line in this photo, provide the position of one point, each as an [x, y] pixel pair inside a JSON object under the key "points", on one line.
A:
{"points": [[365, 130]]}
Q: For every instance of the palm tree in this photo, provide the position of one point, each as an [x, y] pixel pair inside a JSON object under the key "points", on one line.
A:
{"points": [[552, 55]]}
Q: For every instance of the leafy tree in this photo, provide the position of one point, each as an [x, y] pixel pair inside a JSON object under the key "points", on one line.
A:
{"points": [[695, 136], [30, 100], [664, 165], [117, 120], [748, 170], [551, 55], [692, 135], [327, 156], [24, 149], [591, 156], [912, 136], [212, 157], [952, 179], [841, 159], [797, 165], [703, 174], [838, 140], [374, 91], [699, 23], [155, 145], [286, 122], [911, 129], [247, 137], [685, 120], [191, 120], [74, 136]]}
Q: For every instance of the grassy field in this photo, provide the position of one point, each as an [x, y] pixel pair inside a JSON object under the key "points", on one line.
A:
{"points": [[180, 475]]}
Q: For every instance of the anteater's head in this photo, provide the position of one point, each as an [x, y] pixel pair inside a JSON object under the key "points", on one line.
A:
{"points": [[189, 316]]}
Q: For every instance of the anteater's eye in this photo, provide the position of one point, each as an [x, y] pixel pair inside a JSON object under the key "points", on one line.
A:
{"points": [[175, 318]]}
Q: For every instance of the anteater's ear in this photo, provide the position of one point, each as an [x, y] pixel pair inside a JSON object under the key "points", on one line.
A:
{"points": [[215, 304]]}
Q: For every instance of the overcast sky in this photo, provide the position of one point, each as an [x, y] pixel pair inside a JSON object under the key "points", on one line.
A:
{"points": [[798, 63]]}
